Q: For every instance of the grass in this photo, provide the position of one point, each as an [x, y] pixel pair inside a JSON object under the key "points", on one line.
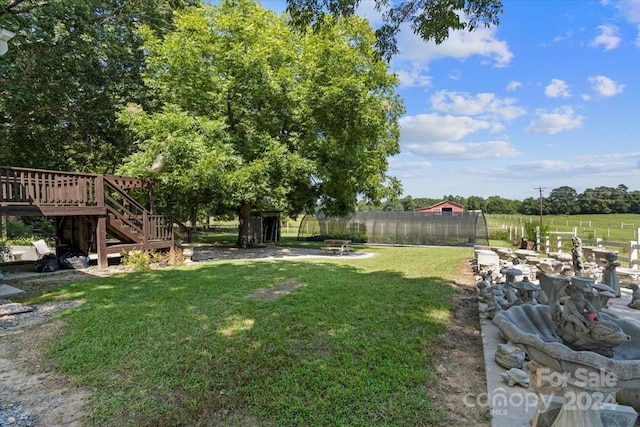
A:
{"points": [[350, 345], [611, 227]]}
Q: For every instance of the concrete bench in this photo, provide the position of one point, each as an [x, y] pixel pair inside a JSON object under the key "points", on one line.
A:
{"points": [[17, 255]]}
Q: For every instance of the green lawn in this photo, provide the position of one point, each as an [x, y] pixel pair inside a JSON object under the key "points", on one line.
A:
{"points": [[351, 345], [611, 227]]}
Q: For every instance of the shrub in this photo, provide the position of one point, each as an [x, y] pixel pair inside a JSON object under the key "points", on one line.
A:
{"points": [[140, 260], [499, 234], [144, 260]]}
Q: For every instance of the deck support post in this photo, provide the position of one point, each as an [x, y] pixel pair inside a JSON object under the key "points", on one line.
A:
{"points": [[101, 242]]}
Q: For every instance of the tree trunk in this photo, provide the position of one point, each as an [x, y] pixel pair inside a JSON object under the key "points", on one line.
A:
{"points": [[194, 218], [207, 224], [243, 227]]}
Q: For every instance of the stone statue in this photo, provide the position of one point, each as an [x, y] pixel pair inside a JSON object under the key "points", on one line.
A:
{"points": [[510, 295], [515, 376], [578, 310], [492, 305], [609, 275], [581, 329], [576, 254], [509, 356], [578, 323], [484, 285], [635, 297]]}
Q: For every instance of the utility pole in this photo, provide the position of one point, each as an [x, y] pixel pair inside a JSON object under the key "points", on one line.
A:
{"points": [[540, 190]]}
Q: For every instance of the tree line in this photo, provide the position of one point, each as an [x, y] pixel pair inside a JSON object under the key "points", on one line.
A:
{"points": [[563, 200], [227, 108]]}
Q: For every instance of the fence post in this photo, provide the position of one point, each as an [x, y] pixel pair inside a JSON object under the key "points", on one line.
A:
{"points": [[559, 244], [633, 252]]}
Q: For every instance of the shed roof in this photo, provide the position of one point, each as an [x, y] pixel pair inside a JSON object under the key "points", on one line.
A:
{"points": [[444, 202]]}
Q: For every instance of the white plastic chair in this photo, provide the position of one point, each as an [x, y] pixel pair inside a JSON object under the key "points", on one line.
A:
{"points": [[42, 248]]}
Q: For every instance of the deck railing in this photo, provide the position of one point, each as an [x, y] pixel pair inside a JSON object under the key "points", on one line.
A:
{"points": [[125, 208], [22, 186], [45, 188]]}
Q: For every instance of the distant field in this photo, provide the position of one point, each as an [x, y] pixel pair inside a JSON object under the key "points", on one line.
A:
{"points": [[612, 227]]}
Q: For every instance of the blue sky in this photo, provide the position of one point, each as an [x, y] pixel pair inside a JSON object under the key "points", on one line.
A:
{"points": [[550, 97]]}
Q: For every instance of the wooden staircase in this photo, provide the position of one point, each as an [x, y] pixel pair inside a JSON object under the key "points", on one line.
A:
{"points": [[102, 204]]}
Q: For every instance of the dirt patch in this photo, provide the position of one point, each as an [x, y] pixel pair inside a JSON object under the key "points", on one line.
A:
{"points": [[460, 368], [276, 291], [33, 391]]}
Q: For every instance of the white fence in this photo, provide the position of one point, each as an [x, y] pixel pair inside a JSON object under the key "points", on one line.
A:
{"points": [[558, 241]]}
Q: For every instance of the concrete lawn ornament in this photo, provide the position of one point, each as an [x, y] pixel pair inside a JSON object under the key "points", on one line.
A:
{"points": [[509, 356], [635, 297], [515, 376]]}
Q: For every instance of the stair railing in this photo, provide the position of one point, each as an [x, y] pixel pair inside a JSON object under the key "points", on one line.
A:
{"points": [[128, 210]]}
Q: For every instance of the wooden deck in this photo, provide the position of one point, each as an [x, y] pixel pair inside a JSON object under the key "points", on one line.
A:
{"points": [[90, 210]]}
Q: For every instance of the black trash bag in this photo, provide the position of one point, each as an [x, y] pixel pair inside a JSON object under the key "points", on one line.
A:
{"points": [[47, 264], [74, 259]]}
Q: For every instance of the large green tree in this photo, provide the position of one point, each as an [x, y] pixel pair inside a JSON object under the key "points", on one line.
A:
{"points": [[562, 201], [604, 200], [71, 67], [429, 19], [309, 119]]}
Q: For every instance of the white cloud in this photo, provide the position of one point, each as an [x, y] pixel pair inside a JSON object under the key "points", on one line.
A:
{"points": [[413, 76], [604, 86], [482, 104], [416, 54], [609, 37], [557, 89], [426, 128], [434, 135], [564, 169], [367, 9], [464, 150], [513, 85], [611, 156], [630, 10], [563, 37], [558, 120], [455, 75], [396, 164]]}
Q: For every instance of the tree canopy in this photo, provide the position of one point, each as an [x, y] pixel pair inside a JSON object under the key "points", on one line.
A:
{"points": [[300, 119], [71, 67], [429, 19]]}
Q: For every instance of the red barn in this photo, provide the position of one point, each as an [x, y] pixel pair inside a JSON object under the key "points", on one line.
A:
{"points": [[444, 208]]}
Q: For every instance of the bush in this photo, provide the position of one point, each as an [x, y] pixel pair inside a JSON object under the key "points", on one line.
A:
{"points": [[144, 260], [530, 229], [140, 260], [25, 230], [499, 234]]}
